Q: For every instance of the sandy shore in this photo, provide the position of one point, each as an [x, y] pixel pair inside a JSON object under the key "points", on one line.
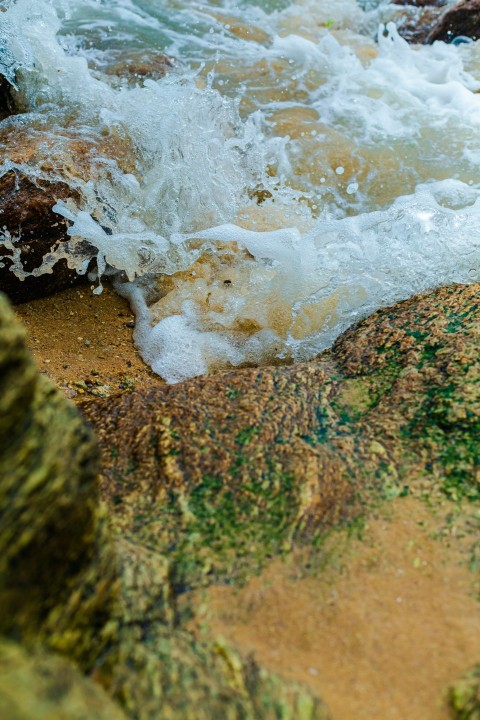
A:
{"points": [[381, 632], [84, 342]]}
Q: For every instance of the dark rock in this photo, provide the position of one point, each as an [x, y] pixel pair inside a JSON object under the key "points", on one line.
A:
{"points": [[27, 199], [6, 101], [35, 230], [461, 20]]}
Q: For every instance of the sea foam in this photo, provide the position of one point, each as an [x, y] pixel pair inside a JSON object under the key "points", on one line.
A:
{"points": [[284, 185]]}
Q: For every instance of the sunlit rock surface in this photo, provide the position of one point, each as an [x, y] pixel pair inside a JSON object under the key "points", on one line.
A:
{"points": [[224, 471]]}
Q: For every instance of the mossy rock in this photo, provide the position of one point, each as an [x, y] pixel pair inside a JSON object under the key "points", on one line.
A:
{"points": [[223, 472], [42, 686], [465, 696], [205, 481], [106, 603], [52, 529]]}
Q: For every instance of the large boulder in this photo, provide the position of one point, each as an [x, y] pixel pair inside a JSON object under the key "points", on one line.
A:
{"points": [[461, 20], [223, 472], [106, 603], [205, 481]]}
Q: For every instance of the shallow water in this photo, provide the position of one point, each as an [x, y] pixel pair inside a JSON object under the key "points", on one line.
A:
{"points": [[298, 167]]}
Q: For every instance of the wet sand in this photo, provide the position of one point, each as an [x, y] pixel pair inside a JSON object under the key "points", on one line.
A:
{"points": [[84, 342], [380, 633]]}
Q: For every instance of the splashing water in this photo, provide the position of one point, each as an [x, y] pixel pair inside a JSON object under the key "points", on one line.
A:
{"points": [[288, 176]]}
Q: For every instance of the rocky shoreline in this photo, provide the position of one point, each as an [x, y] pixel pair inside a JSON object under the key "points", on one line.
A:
{"points": [[205, 482], [126, 519]]}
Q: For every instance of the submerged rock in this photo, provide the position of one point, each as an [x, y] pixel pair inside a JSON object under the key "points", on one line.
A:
{"points": [[460, 21], [106, 603], [135, 67], [417, 19]]}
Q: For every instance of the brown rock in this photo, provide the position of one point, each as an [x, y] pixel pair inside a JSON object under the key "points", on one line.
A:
{"points": [[462, 19], [27, 199], [104, 602], [142, 65], [26, 213], [227, 469]]}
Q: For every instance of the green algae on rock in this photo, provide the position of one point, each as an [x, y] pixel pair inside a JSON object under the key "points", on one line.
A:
{"points": [[57, 577], [465, 696], [222, 472], [107, 604]]}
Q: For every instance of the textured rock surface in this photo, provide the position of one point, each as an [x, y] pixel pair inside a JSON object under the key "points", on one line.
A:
{"points": [[224, 471], [26, 212], [462, 19], [49, 166], [43, 686], [106, 604], [205, 481], [53, 547], [465, 696]]}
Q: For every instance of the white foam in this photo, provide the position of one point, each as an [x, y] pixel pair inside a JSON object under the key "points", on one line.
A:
{"points": [[344, 231]]}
